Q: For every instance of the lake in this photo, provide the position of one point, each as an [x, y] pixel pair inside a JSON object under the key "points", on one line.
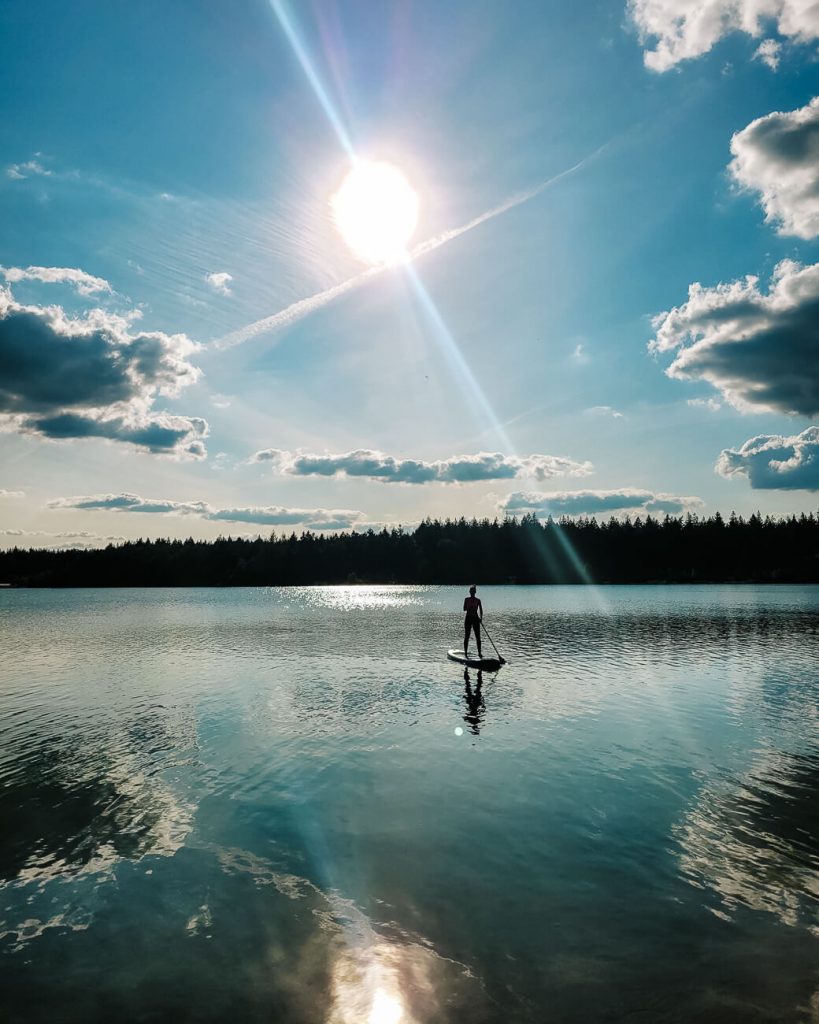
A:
{"points": [[286, 805]]}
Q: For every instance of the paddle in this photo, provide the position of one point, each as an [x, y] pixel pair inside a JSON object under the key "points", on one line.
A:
{"points": [[491, 641]]}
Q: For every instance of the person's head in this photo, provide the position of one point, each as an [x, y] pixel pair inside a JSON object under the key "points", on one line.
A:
{"points": [[472, 590]]}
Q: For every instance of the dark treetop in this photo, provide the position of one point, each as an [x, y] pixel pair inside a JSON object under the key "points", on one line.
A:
{"points": [[677, 550]]}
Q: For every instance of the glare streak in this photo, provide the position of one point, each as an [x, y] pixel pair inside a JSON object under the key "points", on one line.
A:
{"points": [[289, 28], [452, 353]]}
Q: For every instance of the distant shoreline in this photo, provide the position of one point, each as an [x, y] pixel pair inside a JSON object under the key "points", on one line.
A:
{"points": [[667, 552], [398, 583]]}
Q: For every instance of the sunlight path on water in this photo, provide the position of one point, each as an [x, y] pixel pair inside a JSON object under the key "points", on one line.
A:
{"points": [[441, 333]]}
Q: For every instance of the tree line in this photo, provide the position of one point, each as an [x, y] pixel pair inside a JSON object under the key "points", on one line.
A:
{"points": [[675, 549]]}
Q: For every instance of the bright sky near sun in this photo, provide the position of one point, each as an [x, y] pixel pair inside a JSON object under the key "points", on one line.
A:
{"points": [[277, 265]]}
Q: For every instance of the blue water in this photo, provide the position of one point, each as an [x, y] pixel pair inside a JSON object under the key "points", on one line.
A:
{"points": [[286, 805]]}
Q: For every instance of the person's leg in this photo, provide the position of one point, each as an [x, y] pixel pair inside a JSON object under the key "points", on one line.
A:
{"points": [[477, 627], [467, 628]]}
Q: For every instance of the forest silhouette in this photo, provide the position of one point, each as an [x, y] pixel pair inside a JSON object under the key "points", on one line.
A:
{"points": [[689, 549]]}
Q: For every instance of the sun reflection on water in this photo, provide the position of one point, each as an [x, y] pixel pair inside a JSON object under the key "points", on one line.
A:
{"points": [[361, 596], [386, 1009], [367, 984]]}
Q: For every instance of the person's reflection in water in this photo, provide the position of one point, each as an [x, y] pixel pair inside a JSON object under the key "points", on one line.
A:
{"points": [[474, 701]]}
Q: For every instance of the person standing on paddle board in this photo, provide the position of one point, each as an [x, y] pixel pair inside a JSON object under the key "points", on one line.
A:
{"points": [[474, 615]]}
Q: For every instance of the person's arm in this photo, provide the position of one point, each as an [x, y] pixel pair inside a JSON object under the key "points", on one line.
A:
{"points": [[464, 604], [480, 609]]}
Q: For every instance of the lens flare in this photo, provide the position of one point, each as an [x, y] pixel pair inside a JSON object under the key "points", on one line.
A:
{"points": [[376, 212]]}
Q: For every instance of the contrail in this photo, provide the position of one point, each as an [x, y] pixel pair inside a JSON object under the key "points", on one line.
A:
{"points": [[508, 204], [296, 310]]}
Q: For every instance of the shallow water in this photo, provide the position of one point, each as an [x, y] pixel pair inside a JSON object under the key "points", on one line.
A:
{"points": [[286, 805]]}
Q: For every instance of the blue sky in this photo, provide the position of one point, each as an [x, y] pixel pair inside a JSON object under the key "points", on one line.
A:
{"points": [[166, 176]]}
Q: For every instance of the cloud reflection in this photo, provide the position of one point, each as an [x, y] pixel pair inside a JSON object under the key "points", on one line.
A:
{"points": [[753, 840]]}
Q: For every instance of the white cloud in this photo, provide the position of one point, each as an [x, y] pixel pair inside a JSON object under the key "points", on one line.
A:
{"points": [[705, 403], [760, 350], [580, 353], [68, 539], [85, 284], [776, 463], [678, 30], [605, 410], [778, 157], [593, 502], [30, 168], [383, 524], [375, 465], [277, 515], [262, 515], [132, 503], [220, 282], [769, 52], [65, 377], [11, 494]]}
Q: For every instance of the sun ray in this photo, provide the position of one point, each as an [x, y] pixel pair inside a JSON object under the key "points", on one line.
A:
{"points": [[360, 225], [291, 30]]}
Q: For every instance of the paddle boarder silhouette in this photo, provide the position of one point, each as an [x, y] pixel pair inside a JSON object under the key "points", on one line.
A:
{"points": [[472, 620]]}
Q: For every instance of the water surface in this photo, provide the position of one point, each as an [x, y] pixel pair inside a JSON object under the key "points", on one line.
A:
{"points": [[285, 805]]}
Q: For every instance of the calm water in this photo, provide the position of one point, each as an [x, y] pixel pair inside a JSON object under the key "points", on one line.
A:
{"points": [[286, 806]]}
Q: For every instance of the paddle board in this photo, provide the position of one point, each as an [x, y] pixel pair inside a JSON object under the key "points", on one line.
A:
{"points": [[487, 664]]}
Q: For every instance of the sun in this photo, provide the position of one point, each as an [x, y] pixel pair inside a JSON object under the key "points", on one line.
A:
{"points": [[376, 211]]}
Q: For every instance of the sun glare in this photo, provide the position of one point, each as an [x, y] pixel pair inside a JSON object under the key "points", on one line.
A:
{"points": [[386, 1009], [376, 211]]}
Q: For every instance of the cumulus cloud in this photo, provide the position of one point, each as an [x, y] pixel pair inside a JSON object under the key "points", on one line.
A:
{"points": [[85, 284], [220, 282], [593, 502], [760, 350], [30, 168], [276, 515], [776, 463], [778, 156], [678, 30], [131, 503], [769, 52], [11, 494], [262, 515], [159, 433], [375, 465], [92, 377]]}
